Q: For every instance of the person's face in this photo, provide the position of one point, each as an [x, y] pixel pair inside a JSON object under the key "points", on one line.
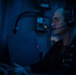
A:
{"points": [[58, 21]]}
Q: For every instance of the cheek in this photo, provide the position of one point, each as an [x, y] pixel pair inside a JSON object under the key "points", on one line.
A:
{"points": [[62, 24], [58, 25], [63, 29]]}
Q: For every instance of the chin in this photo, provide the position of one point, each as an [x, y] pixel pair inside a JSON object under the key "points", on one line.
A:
{"points": [[58, 32]]}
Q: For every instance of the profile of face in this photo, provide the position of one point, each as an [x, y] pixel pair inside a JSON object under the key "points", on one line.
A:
{"points": [[58, 22]]}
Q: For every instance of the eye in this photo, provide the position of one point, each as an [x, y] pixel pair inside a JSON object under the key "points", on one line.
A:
{"points": [[57, 20]]}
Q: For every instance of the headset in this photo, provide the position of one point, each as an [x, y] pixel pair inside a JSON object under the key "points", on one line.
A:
{"points": [[71, 21], [31, 13]]}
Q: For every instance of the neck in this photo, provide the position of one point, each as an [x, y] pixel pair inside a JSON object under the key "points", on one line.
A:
{"points": [[67, 37]]}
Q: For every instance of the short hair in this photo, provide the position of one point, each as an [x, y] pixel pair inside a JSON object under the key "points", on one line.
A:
{"points": [[67, 12]]}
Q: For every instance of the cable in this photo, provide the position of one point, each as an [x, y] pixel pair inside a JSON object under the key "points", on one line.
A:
{"points": [[27, 12]]}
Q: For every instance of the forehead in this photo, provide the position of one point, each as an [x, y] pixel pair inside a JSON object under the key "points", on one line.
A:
{"points": [[58, 13]]}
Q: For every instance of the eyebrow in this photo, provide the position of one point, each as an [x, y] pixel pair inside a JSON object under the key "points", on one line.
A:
{"points": [[56, 18]]}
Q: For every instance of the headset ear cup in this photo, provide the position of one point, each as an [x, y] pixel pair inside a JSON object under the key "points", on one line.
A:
{"points": [[71, 22]]}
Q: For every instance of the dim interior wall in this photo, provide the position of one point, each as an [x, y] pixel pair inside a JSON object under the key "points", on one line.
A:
{"points": [[13, 9], [3, 46]]}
